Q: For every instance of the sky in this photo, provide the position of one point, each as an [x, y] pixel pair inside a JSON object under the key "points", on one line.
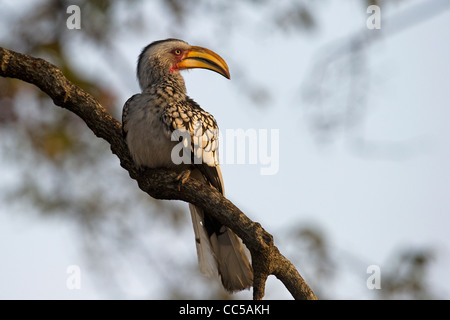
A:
{"points": [[390, 193]]}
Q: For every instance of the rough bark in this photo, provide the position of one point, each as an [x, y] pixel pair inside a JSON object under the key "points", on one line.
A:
{"points": [[159, 183]]}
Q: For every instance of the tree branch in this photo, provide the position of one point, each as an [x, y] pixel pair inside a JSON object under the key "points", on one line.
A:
{"points": [[158, 183]]}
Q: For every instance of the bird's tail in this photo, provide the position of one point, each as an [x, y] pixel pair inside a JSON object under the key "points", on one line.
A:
{"points": [[221, 253]]}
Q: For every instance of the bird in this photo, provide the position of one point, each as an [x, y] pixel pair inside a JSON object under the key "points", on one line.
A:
{"points": [[153, 123]]}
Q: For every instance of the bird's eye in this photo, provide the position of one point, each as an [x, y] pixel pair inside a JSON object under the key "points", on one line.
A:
{"points": [[177, 52]]}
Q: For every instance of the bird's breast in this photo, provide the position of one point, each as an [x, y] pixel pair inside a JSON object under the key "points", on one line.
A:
{"points": [[147, 139]]}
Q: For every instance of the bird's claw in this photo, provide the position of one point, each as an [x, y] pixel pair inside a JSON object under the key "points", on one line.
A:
{"points": [[182, 178]]}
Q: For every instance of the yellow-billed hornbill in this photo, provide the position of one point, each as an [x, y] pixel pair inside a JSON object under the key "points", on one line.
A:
{"points": [[150, 120]]}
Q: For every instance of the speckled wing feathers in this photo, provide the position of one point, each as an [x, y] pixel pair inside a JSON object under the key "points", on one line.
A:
{"points": [[203, 130], [125, 112]]}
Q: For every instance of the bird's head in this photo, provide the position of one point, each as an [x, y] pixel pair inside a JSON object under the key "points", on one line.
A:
{"points": [[166, 57]]}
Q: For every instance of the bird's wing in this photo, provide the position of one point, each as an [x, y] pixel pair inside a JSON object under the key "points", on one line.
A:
{"points": [[204, 133], [125, 112]]}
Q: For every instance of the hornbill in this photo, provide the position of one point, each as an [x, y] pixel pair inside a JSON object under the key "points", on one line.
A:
{"points": [[152, 122]]}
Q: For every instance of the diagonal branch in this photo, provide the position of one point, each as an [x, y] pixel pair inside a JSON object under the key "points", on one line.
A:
{"points": [[158, 183]]}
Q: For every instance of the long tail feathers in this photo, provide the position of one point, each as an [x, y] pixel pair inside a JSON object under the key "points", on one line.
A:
{"points": [[222, 254], [234, 265], [206, 260]]}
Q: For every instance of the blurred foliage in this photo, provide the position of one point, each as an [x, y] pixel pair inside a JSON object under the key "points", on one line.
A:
{"points": [[407, 277], [404, 276], [56, 157]]}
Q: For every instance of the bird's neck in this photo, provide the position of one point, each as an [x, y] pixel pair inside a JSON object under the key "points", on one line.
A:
{"points": [[172, 82]]}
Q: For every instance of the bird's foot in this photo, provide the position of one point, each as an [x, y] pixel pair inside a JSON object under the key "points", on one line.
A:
{"points": [[182, 178]]}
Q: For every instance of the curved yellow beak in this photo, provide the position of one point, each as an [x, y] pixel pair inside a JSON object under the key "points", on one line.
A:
{"points": [[198, 57]]}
